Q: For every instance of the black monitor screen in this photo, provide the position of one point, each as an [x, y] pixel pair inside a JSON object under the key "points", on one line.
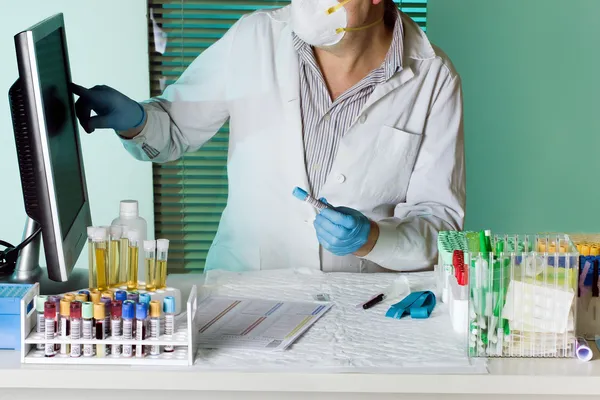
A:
{"points": [[61, 127]]}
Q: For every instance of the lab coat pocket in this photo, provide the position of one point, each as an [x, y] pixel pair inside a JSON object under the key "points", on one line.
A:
{"points": [[392, 164]]}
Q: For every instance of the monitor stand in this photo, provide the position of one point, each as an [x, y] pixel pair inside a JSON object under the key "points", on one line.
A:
{"points": [[28, 268]]}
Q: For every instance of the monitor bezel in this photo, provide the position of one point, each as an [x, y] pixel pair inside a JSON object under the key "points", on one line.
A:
{"points": [[61, 255]]}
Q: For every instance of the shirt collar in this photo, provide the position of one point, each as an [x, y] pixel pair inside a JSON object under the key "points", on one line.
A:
{"points": [[393, 60]]}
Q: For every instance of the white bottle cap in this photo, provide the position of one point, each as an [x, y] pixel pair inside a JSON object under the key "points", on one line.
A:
{"points": [[162, 244], [129, 208], [116, 231], [99, 234], [149, 245], [133, 235], [90, 231]]}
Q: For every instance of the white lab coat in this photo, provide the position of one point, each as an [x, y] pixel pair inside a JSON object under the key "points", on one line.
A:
{"points": [[401, 162]]}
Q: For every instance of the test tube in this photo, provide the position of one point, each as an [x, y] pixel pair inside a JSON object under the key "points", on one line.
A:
{"points": [[65, 314], [169, 310], [81, 298], [145, 298], [56, 301], [141, 316], [75, 312], [154, 326], [162, 247], [124, 262], [88, 327], [101, 254], [40, 325], [107, 303], [95, 296], [92, 282], [108, 294], [114, 251], [150, 263], [132, 275], [116, 312], [121, 295], [133, 297], [49, 315], [128, 326], [100, 331]]}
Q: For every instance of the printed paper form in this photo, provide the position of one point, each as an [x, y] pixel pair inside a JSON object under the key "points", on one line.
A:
{"points": [[225, 322]]}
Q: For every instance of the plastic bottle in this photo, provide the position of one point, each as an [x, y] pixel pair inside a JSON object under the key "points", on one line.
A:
{"points": [[129, 217]]}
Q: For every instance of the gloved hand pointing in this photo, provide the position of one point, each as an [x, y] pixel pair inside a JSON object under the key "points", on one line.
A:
{"points": [[113, 109], [344, 231]]}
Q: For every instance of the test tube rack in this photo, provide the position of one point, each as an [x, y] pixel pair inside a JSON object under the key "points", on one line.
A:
{"points": [[183, 340], [523, 297]]}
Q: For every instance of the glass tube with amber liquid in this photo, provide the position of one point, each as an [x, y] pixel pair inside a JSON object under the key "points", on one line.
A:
{"points": [[100, 245], [124, 261], [91, 259], [162, 247], [114, 254], [134, 251], [150, 263]]}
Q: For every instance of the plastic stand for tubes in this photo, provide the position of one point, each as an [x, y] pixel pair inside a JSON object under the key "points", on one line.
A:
{"points": [[183, 340]]}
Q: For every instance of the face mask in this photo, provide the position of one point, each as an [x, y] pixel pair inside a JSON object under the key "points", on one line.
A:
{"points": [[322, 23]]}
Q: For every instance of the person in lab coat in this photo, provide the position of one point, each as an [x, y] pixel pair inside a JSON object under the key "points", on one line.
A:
{"points": [[345, 98]]}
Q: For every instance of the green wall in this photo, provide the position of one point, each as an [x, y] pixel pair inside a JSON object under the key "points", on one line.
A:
{"points": [[531, 80]]}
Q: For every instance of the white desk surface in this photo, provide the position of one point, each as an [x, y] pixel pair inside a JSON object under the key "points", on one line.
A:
{"points": [[506, 379]]}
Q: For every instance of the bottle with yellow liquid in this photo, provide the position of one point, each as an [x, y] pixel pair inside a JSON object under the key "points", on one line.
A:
{"points": [[134, 251], [100, 244], [114, 254], [150, 263], [162, 247]]}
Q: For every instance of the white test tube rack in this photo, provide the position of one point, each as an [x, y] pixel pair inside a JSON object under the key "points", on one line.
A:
{"points": [[183, 340]]}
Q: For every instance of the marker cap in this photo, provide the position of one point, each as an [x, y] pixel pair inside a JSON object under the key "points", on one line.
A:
{"points": [[108, 294], [121, 295], [149, 245], [95, 296], [162, 244], [116, 308], [169, 305], [99, 311], [75, 308], [49, 310], [87, 310], [144, 298], [69, 296], [39, 303], [155, 309], [128, 309], [141, 311], [65, 307], [81, 297]]}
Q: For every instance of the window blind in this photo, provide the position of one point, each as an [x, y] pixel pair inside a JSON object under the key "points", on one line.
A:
{"points": [[191, 193]]}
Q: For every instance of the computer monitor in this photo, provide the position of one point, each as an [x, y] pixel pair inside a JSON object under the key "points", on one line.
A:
{"points": [[49, 152]]}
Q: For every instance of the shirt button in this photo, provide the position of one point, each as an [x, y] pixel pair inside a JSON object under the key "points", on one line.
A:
{"points": [[341, 178], [362, 119], [327, 117]]}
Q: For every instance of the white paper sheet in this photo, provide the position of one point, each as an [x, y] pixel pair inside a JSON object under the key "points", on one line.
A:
{"points": [[226, 322]]}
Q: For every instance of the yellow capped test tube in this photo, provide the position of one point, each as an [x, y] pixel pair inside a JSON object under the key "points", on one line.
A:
{"points": [[95, 296], [585, 249], [594, 250]]}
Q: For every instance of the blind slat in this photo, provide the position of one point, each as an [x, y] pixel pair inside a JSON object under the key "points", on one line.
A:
{"points": [[191, 193]]}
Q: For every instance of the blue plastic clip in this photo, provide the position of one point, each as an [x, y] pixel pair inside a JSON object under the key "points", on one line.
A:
{"points": [[418, 305]]}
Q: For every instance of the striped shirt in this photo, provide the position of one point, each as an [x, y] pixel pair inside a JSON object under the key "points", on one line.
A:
{"points": [[325, 122]]}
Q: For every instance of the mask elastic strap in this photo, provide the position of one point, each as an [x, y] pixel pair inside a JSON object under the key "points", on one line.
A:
{"points": [[360, 28], [333, 9]]}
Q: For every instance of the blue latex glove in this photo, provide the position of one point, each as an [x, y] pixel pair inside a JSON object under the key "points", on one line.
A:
{"points": [[342, 230], [113, 109]]}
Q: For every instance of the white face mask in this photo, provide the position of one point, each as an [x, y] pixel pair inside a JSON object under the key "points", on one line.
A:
{"points": [[319, 23], [322, 23]]}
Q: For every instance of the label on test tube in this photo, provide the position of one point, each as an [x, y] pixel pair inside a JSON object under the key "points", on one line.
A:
{"points": [[116, 311], [49, 313], [154, 326], [141, 315], [88, 325], [75, 328], [65, 313], [128, 318], [169, 310], [99, 317], [40, 325]]}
